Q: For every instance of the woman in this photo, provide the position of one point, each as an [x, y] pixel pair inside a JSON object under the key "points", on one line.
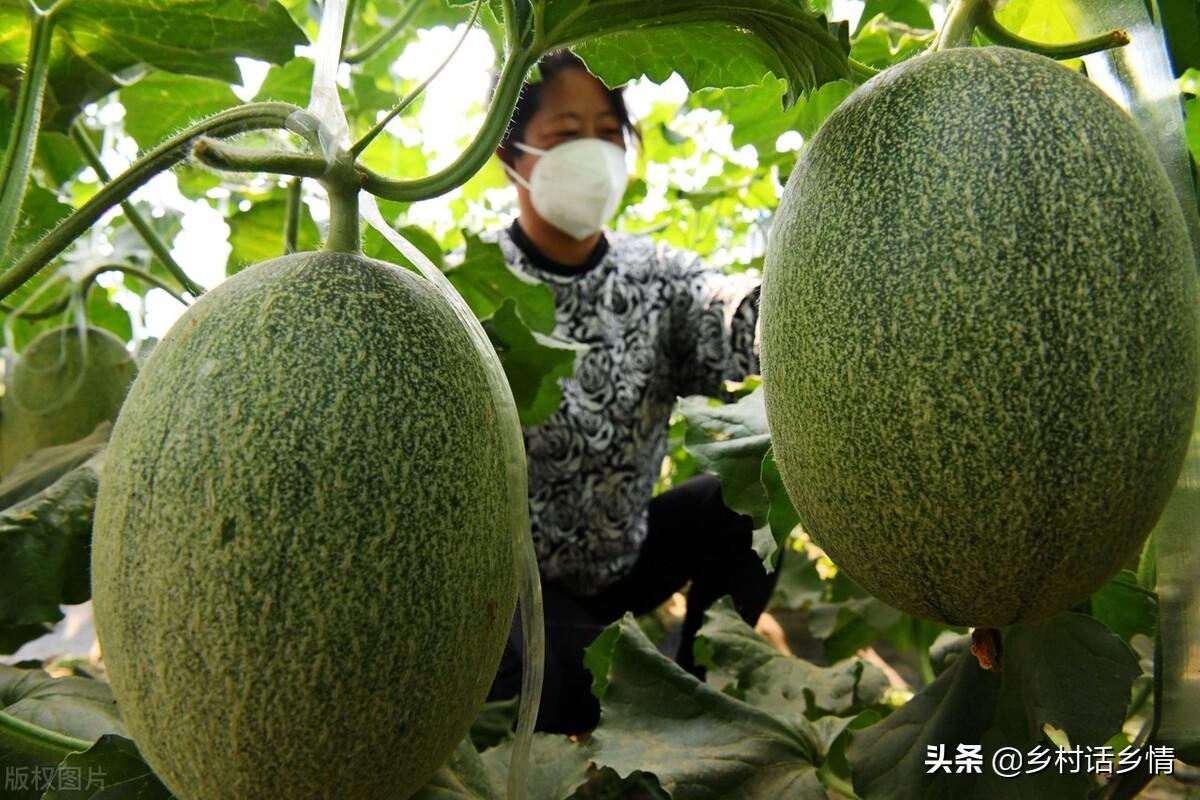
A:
{"points": [[658, 324]]}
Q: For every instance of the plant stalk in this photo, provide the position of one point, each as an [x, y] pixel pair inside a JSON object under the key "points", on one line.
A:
{"points": [[86, 284], [343, 235], [18, 160], [990, 27], [347, 24], [384, 37], [291, 221], [959, 26], [157, 246], [45, 745], [233, 158], [252, 116], [860, 72], [473, 158]]}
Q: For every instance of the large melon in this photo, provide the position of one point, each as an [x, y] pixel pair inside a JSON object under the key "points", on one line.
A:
{"points": [[61, 387], [303, 562], [979, 337]]}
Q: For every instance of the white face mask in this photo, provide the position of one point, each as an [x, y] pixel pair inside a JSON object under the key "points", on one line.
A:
{"points": [[576, 186]]}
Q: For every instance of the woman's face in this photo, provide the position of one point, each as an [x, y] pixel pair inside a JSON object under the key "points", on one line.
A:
{"points": [[574, 105]]}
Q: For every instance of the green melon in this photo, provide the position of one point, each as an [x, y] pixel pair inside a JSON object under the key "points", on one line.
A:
{"points": [[303, 566], [61, 387], [979, 337]]}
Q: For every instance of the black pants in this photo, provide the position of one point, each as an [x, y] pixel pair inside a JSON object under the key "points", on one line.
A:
{"points": [[692, 536]]}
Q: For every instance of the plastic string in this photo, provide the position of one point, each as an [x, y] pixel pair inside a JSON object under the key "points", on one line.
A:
{"points": [[1139, 78], [333, 135]]}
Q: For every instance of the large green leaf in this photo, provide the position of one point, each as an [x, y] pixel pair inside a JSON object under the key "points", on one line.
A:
{"points": [[879, 45], [161, 104], [730, 441], [82, 708], [1068, 671], [557, 766], [44, 544], [463, 777], [754, 110], [42, 468], [778, 683], [485, 281], [100, 45], [1125, 608], [256, 234], [533, 362], [708, 42], [111, 769], [911, 12], [1180, 20], [78, 707], [701, 743]]}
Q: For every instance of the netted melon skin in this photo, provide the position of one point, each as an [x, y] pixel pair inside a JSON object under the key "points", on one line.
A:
{"points": [[303, 565], [979, 337]]}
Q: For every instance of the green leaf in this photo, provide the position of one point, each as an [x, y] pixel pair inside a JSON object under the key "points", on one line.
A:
{"points": [[44, 542], [104, 312], [161, 104], [417, 237], [494, 722], [58, 159], [780, 683], [1068, 671], [1180, 20], [100, 45], [463, 777], [754, 110], [781, 516], [701, 743], [288, 83], [708, 42], [533, 363], [911, 12], [878, 45], [40, 211], [111, 769], [1125, 608], [82, 708], [557, 766], [730, 442], [42, 468], [799, 585], [256, 234], [486, 282]]}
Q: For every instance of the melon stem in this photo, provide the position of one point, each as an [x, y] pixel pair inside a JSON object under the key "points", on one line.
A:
{"points": [[990, 27], [987, 648], [343, 235], [961, 19]]}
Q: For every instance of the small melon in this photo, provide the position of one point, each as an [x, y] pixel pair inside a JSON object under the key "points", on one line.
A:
{"points": [[303, 565], [979, 337], [61, 387]]}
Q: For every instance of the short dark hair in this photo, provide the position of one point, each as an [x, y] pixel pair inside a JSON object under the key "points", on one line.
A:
{"points": [[530, 100]]}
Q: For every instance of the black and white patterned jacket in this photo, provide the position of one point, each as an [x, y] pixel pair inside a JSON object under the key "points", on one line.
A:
{"points": [[658, 324]]}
